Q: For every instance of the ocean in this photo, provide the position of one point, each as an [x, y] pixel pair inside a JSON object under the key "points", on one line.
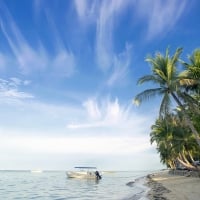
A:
{"points": [[54, 185]]}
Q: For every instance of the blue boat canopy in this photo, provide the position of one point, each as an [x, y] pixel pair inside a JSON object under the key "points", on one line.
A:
{"points": [[85, 167]]}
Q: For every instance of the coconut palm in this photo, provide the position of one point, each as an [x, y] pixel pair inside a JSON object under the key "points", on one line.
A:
{"points": [[165, 76], [191, 76], [174, 143], [162, 134], [190, 81]]}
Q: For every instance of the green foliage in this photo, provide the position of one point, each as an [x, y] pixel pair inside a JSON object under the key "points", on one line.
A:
{"points": [[164, 75], [176, 131]]}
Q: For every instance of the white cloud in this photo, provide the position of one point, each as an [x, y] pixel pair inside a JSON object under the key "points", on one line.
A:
{"points": [[114, 153], [87, 10], [16, 81], [10, 89], [120, 67], [101, 115], [114, 112], [105, 17], [81, 7], [12, 93], [26, 57], [26, 82], [64, 63], [92, 109], [81, 145], [104, 46], [110, 116], [102, 129], [37, 6], [161, 16], [30, 59], [110, 62]]}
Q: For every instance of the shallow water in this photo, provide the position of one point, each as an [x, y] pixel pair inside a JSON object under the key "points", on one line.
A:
{"points": [[54, 185]]}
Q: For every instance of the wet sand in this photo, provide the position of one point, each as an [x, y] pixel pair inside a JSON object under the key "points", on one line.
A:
{"points": [[165, 186]]}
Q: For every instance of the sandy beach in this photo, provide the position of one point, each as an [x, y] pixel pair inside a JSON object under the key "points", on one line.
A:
{"points": [[173, 187]]}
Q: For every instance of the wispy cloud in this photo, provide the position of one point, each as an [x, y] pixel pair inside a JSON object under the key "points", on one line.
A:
{"points": [[104, 47], [161, 16], [26, 57], [30, 59], [10, 89], [37, 6], [92, 109], [120, 67], [87, 10], [104, 15], [64, 63], [103, 114], [108, 13], [106, 114]]}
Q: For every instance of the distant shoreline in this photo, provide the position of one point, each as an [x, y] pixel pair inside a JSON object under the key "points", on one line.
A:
{"points": [[168, 186]]}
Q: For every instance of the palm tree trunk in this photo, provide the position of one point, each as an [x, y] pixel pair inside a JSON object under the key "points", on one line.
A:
{"points": [[190, 155], [171, 165], [184, 158], [188, 166], [187, 119]]}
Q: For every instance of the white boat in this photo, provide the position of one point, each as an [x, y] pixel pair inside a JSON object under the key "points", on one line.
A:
{"points": [[84, 173]]}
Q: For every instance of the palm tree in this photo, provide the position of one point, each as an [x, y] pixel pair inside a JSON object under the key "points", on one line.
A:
{"points": [[162, 134], [191, 76], [190, 80], [174, 143], [165, 75]]}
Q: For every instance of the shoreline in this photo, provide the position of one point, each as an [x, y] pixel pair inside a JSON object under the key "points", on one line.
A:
{"points": [[171, 186]]}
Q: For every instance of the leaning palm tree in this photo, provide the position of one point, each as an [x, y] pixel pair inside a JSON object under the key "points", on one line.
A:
{"points": [[165, 76]]}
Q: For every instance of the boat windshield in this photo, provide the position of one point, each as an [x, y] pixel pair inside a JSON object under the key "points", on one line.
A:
{"points": [[85, 167]]}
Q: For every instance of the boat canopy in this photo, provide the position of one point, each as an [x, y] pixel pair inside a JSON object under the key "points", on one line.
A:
{"points": [[85, 167]]}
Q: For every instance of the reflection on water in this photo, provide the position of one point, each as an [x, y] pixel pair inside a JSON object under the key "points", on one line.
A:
{"points": [[55, 185]]}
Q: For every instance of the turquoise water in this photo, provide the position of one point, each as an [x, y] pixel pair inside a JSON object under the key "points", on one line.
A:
{"points": [[56, 186]]}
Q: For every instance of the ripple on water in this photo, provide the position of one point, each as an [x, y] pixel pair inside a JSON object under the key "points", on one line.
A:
{"points": [[55, 186]]}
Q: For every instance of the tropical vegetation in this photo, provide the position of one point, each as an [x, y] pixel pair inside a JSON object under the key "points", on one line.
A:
{"points": [[176, 130]]}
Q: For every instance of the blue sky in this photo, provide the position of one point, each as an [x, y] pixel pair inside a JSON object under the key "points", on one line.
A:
{"points": [[68, 73]]}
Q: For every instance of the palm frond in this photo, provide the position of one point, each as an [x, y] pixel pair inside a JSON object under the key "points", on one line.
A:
{"points": [[152, 61], [176, 56], [185, 65], [161, 74], [183, 74], [146, 95], [165, 105], [195, 57], [171, 65], [147, 78], [167, 53]]}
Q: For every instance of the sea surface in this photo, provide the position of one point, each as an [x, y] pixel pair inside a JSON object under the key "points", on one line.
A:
{"points": [[54, 185]]}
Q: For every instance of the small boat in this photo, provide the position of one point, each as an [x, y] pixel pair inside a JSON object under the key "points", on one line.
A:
{"points": [[84, 173]]}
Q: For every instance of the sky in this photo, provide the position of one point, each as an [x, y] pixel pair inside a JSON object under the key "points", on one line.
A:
{"points": [[68, 77]]}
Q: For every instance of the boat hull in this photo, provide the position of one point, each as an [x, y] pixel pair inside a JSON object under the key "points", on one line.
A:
{"points": [[81, 175]]}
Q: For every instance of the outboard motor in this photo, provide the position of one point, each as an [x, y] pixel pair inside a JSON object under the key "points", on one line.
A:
{"points": [[98, 176]]}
